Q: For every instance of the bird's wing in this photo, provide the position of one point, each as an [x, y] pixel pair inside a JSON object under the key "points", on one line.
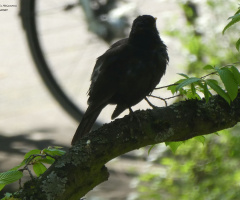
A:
{"points": [[105, 74], [108, 57]]}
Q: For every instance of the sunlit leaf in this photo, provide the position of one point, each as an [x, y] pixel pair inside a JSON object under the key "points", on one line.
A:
{"points": [[238, 44], [208, 67], [2, 186], [218, 90], [39, 168], [200, 139], [193, 89], [206, 92], [47, 160], [187, 82], [193, 96], [236, 74], [172, 88], [174, 145], [234, 19], [229, 82], [10, 177], [54, 152], [184, 75], [32, 152], [150, 149]]}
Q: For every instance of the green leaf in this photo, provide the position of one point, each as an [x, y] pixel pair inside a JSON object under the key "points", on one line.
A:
{"points": [[39, 168], [184, 75], [174, 145], [190, 95], [238, 11], [47, 160], [229, 82], [150, 149], [218, 90], [183, 91], [8, 196], [208, 67], [235, 19], [236, 74], [54, 152], [193, 89], [238, 44], [213, 81], [235, 16], [206, 92], [187, 82], [32, 152], [2, 186], [172, 88], [10, 177], [200, 139]]}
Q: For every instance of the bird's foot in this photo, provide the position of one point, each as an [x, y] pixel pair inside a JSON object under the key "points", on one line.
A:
{"points": [[133, 115]]}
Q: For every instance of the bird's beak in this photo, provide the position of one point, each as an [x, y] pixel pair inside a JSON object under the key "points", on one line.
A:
{"points": [[155, 18]]}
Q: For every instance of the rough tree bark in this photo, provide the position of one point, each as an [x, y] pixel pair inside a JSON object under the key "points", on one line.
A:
{"points": [[83, 166]]}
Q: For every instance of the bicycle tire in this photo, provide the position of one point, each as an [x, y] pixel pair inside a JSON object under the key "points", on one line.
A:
{"points": [[27, 14]]}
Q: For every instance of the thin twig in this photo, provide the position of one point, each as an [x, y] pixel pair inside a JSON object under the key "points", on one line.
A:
{"points": [[157, 88], [208, 75], [158, 98], [20, 183], [29, 171], [179, 95], [149, 103], [165, 86]]}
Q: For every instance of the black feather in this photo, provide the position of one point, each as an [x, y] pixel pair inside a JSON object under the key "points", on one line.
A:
{"points": [[126, 73]]}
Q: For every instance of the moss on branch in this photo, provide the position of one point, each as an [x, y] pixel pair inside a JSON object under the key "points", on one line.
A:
{"points": [[83, 166]]}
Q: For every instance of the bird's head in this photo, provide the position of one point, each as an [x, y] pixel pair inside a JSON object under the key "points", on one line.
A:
{"points": [[144, 23]]}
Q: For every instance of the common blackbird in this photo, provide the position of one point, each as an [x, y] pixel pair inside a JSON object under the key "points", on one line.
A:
{"points": [[126, 73]]}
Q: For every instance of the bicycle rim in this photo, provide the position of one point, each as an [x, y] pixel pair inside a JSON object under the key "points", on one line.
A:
{"points": [[29, 15]]}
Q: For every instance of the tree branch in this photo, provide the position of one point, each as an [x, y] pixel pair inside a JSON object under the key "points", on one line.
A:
{"points": [[82, 168]]}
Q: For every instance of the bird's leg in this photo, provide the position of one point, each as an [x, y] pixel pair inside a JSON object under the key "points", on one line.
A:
{"points": [[149, 103], [132, 115]]}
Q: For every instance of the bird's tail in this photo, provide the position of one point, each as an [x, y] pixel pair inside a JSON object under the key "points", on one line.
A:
{"points": [[86, 123]]}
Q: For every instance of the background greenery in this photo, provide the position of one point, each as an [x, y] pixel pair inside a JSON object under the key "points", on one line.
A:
{"points": [[201, 168], [199, 171]]}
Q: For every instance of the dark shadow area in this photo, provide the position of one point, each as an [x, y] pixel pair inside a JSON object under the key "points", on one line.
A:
{"points": [[24, 144], [6, 142]]}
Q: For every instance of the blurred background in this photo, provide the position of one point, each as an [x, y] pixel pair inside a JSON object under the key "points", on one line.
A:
{"points": [[48, 51]]}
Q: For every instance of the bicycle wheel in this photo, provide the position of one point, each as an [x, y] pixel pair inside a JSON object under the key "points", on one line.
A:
{"points": [[56, 41], [64, 52]]}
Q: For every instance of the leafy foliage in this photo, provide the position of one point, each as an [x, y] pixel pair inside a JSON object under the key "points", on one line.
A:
{"points": [[188, 175], [196, 171], [234, 19], [37, 158], [192, 86], [210, 171]]}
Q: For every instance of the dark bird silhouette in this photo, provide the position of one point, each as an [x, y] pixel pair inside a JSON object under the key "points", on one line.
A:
{"points": [[126, 73]]}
